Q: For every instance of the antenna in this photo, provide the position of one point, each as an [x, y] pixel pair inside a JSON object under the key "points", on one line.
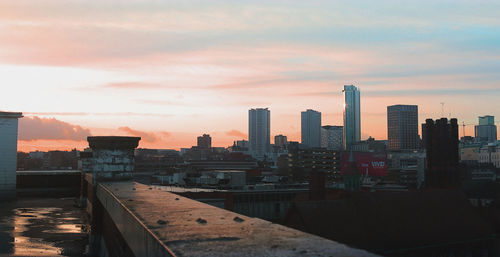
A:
{"points": [[442, 109], [463, 126]]}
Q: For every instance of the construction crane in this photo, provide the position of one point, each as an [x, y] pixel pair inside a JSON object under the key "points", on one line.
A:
{"points": [[463, 128]]}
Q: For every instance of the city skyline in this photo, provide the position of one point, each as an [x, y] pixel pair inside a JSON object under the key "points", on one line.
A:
{"points": [[187, 65]]}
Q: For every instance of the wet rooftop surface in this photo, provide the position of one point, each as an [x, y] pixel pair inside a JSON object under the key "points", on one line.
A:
{"points": [[42, 227], [191, 228]]}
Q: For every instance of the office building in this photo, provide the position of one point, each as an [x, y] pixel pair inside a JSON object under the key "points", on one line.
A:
{"points": [[280, 140], [441, 141], [302, 161], [486, 131], [8, 154], [311, 128], [259, 131], [402, 127], [205, 141], [331, 137], [352, 116]]}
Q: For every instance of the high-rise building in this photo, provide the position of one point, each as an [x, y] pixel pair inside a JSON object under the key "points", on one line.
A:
{"points": [[205, 141], [280, 140], [8, 154], [441, 142], [259, 131], [352, 116], [486, 131], [402, 127], [311, 128], [331, 137]]}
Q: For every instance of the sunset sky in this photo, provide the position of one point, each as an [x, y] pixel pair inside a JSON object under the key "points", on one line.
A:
{"points": [[169, 71]]}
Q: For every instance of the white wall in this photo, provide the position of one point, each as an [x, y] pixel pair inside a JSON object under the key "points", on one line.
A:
{"points": [[8, 157]]}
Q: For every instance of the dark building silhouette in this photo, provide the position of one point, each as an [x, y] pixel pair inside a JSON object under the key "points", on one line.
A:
{"points": [[317, 189], [402, 127], [205, 141], [441, 141], [352, 176], [411, 224]]}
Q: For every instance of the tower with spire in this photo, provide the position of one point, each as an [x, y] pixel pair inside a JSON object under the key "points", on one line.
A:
{"points": [[352, 176]]}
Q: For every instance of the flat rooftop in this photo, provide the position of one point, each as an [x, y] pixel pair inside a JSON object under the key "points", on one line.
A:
{"points": [[13, 115]]}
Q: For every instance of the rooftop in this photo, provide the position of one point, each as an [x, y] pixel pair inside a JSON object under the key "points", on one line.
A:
{"points": [[11, 115], [191, 228]]}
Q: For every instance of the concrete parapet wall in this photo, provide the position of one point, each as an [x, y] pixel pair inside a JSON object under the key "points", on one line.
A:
{"points": [[137, 236], [154, 222]]}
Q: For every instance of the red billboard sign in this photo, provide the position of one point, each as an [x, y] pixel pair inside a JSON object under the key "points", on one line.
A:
{"points": [[375, 164]]}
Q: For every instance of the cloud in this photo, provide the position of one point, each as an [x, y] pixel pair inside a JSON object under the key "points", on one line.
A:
{"points": [[132, 85], [165, 134], [236, 133], [35, 128], [146, 136], [111, 114]]}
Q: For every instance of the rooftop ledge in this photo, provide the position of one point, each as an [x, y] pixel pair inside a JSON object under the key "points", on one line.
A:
{"points": [[113, 142], [12, 115], [178, 226]]}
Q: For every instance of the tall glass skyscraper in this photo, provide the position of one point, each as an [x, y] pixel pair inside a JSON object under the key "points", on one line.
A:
{"points": [[311, 128], [402, 127], [259, 131], [352, 116]]}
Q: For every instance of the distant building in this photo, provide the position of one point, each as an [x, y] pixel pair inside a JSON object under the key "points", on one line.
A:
{"points": [[205, 141], [331, 137], [490, 154], [280, 141], [441, 141], [242, 143], [302, 161], [311, 128], [352, 116], [402, 127], [352, 175], [8, 153], [370, 145], [486, 131], [259, 131], [409, 166]]}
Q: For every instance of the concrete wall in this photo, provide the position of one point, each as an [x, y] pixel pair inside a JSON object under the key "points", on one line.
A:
{"points": [[137, 237], [8, 154], [115, 164], [151, 222]]}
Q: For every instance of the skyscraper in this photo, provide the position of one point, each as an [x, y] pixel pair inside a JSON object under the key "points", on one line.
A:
{"points": [[8, 153], [352, 116], [311, 128], [402, 127], [441, 142], [486, 131], [280, 140], [331, 137], [205, 141], [259, 131]]}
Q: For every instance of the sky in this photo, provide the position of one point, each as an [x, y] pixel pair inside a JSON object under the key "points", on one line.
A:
{"points": [[169, 71]]}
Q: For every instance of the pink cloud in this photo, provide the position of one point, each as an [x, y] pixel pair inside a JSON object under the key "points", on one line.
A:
{"points": [[236, 133], [146, 136], [35, 128]]}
